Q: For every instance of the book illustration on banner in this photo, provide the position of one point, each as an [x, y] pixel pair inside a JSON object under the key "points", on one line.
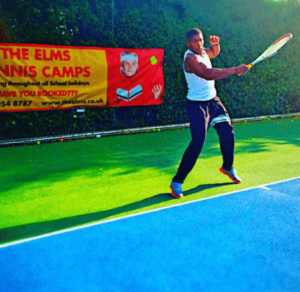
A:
{"points": [[129, 95]]}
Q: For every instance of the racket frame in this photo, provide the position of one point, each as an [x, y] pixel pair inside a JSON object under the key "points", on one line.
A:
{"points": [[263, 56]]}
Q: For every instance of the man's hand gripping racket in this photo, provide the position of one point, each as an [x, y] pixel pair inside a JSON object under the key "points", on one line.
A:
{"points": [[272, 50]]}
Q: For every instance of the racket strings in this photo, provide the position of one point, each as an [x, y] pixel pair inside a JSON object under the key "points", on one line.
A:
{"points": [[276, 46]]}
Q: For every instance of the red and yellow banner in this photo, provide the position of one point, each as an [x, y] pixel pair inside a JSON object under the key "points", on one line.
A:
{"points": [[44, 77]]}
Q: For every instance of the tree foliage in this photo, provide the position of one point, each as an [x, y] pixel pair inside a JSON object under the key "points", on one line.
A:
{"points": [[246, 29]]}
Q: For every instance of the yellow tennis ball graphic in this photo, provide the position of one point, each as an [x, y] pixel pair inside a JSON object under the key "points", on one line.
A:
{"points": [[153, 60]]}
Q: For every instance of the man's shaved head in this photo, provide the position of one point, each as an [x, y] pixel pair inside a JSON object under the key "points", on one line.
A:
{"points": [[192, 32]]}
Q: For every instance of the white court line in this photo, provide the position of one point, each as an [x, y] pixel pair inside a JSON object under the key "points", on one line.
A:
{"points": [[138, 214], [265, 188]]}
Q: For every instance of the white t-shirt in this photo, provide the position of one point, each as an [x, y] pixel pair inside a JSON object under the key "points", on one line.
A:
{"points": [[199, 89]]}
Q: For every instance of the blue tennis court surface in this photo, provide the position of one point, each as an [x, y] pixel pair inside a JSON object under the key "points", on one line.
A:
{"points": [[243, 241]]}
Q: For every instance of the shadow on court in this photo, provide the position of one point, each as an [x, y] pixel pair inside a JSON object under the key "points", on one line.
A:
{"points": [[41, 228]]}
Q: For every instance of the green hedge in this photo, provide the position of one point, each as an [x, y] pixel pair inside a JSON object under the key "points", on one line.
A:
{"points": [[245, 29]]}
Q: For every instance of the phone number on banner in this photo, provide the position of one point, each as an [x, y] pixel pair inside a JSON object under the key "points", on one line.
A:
{"points": [[16, 103]]}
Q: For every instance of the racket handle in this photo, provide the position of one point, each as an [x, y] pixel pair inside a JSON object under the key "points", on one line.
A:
{"points": [[249, 66]]}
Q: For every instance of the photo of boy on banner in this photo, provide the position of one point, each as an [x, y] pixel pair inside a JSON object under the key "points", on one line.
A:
{"points": [[132, 88]]}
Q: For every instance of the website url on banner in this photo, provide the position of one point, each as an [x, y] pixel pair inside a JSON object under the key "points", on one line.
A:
{"points": [[64, 102], [26, 103]]}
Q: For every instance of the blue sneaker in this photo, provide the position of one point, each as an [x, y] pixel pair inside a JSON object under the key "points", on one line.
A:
{"points": [[231, 174], [176, 190]]}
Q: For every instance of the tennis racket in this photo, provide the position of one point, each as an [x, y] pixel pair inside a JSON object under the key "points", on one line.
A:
{"points": [[272, 50]]}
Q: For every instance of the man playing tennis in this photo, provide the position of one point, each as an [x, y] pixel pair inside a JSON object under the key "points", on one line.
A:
{"points": [[205, 108]]}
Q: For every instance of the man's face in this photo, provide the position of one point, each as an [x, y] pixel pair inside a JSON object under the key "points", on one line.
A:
{"points": [[130, 67], [196, 43]]}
